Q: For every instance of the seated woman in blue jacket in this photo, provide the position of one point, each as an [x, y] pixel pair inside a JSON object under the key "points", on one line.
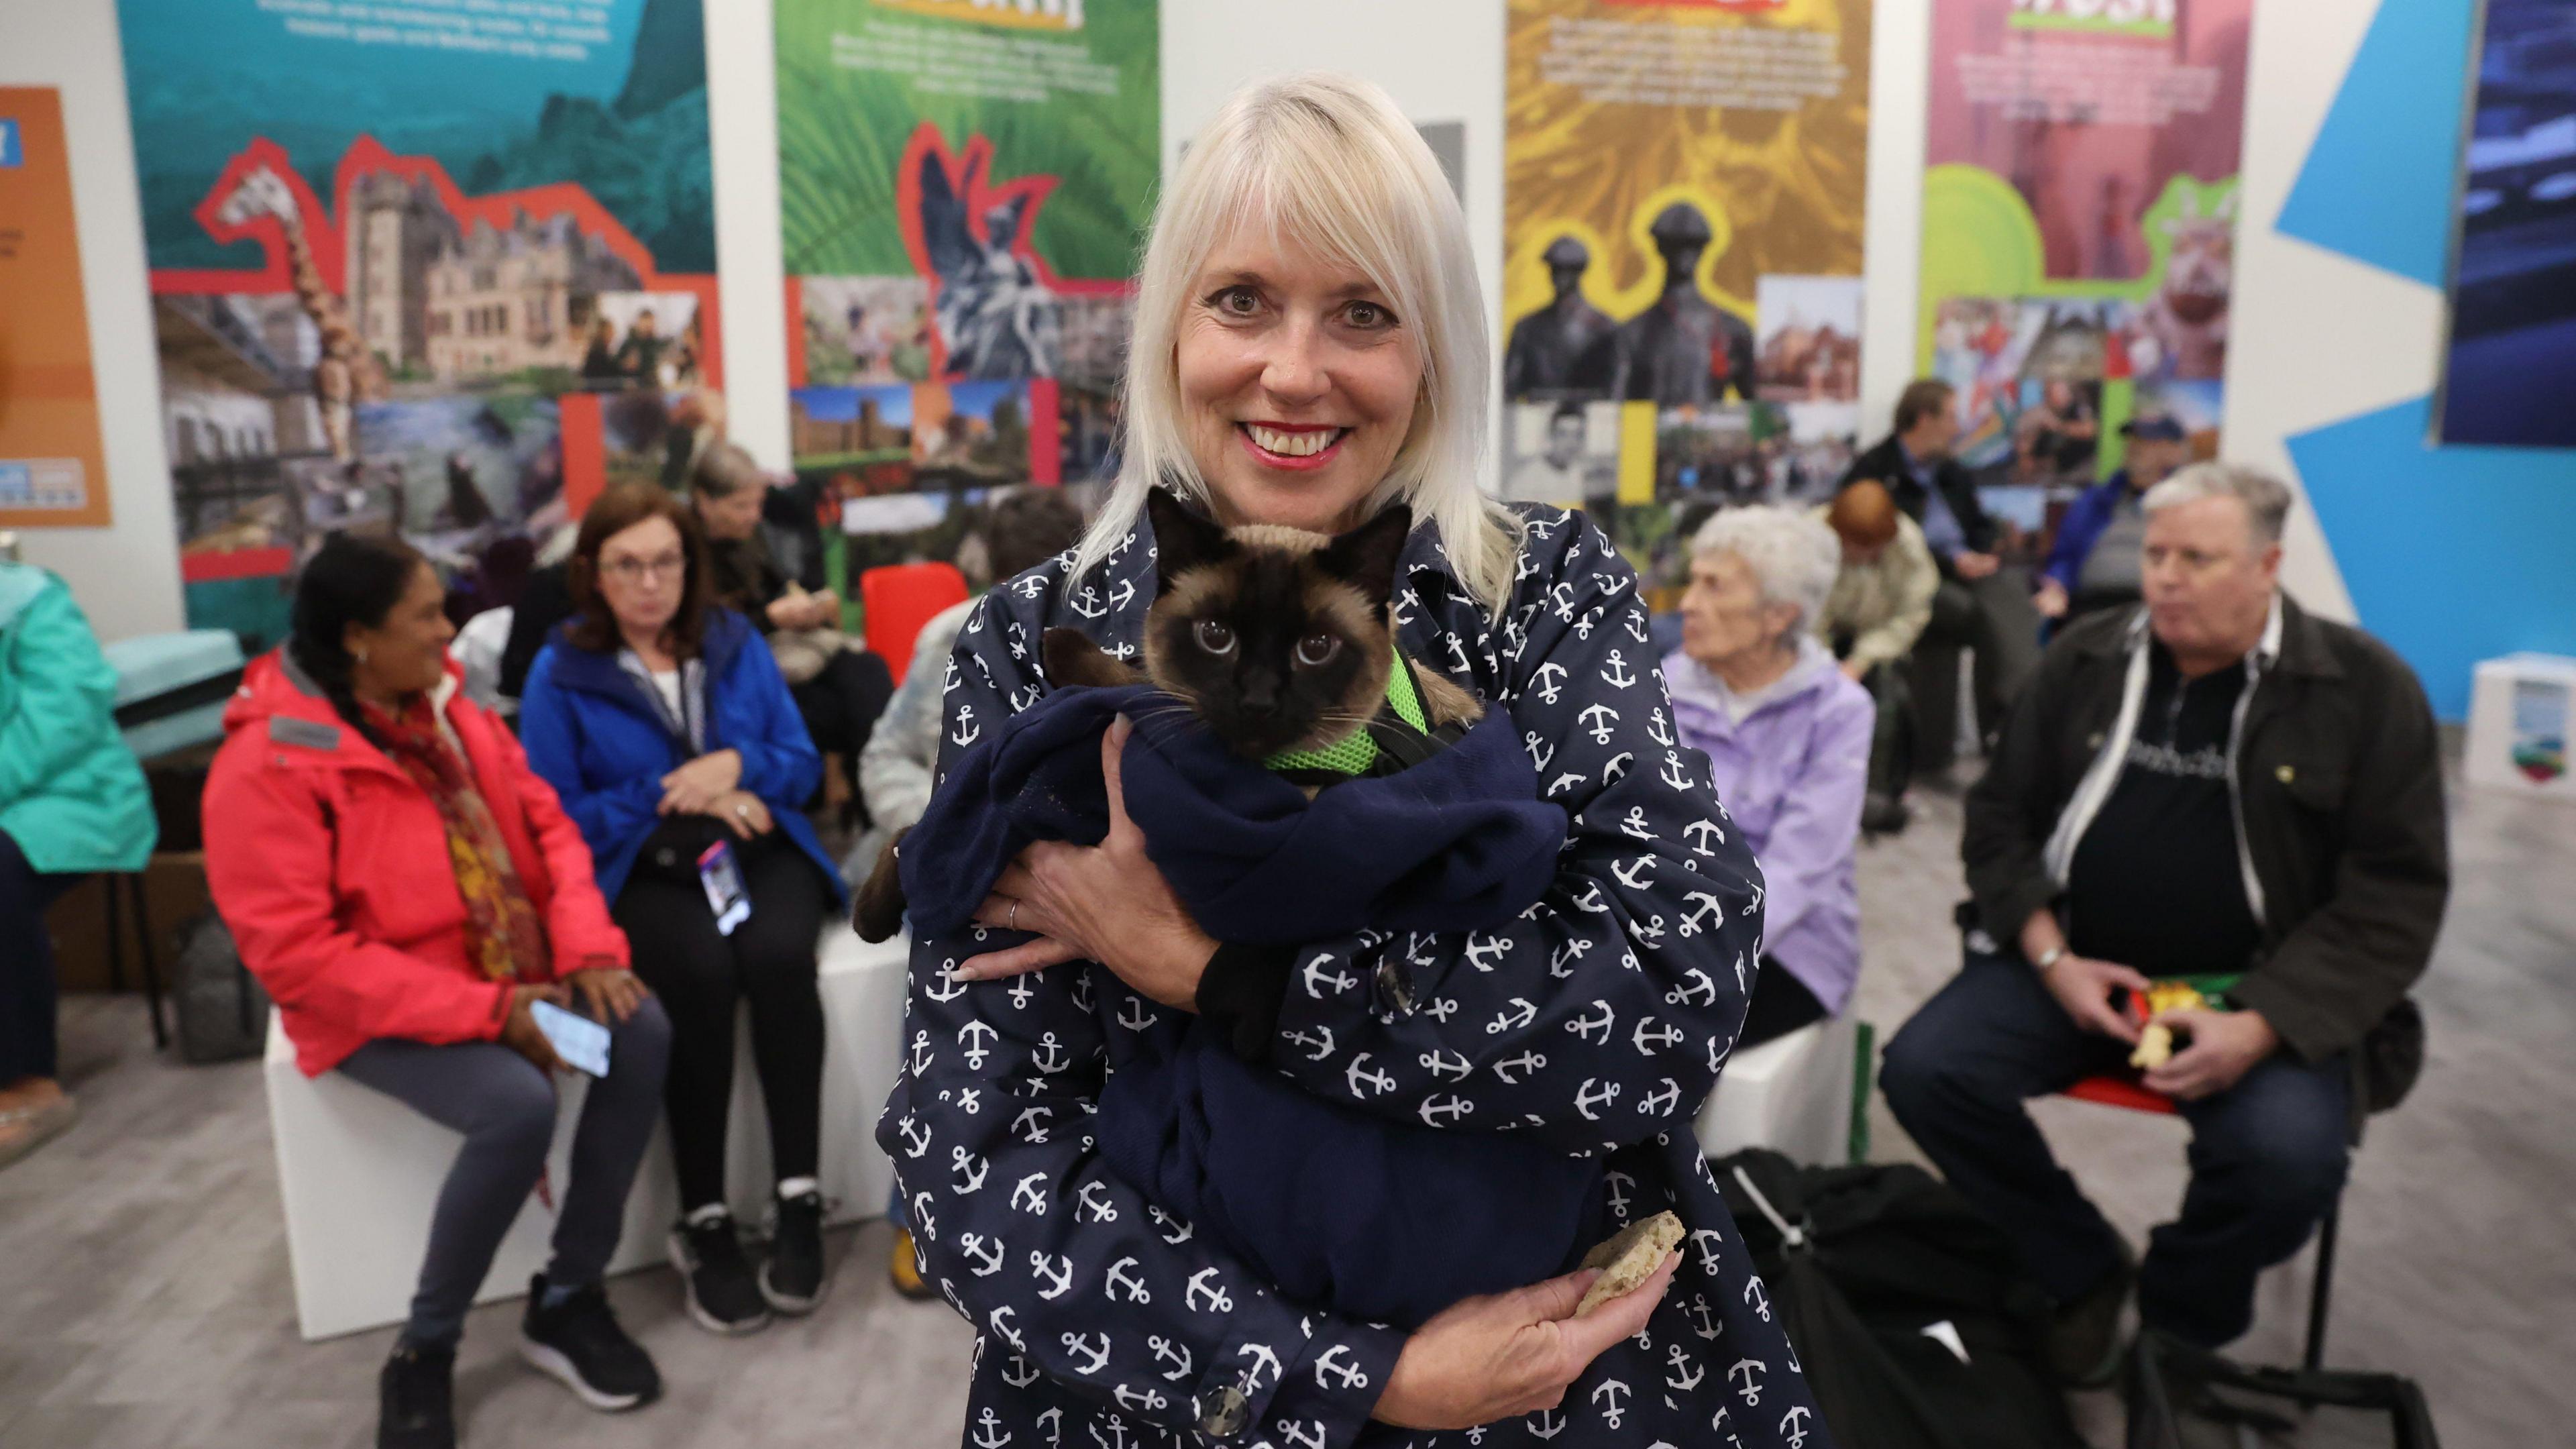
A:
{"points": [[662, 721]]}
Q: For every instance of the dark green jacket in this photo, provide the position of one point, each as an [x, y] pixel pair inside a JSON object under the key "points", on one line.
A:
{"points": [[2338, 776]]}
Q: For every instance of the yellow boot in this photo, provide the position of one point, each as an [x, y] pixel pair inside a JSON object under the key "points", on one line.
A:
{"points": [[904, 1268]]}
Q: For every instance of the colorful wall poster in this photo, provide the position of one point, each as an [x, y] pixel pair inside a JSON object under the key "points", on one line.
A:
{"points": [[964, 186], [2079, 222], [2510, 368], [441, 270], [1682, 206], [53, 469]]}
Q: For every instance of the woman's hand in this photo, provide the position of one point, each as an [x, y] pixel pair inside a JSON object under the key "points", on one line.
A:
{"points": [[1506, 1354], [747, 814], [520, 1032], [611, 994], [690, 789], [1106, 903]]}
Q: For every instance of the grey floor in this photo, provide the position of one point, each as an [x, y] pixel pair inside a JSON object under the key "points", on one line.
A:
{"points": [[144, 1299]]}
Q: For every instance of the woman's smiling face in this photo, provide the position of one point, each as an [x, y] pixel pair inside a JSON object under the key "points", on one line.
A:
{"points": [[1298, 384]]}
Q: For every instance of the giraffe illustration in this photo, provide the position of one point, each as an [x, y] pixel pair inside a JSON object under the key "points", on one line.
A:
{"points": [[347, 374]]}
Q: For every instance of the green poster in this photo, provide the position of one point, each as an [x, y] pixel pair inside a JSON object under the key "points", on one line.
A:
{"points": [[964, 185]]}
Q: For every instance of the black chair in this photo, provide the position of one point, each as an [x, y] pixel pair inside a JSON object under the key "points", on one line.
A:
{"points": [[128, 884]]}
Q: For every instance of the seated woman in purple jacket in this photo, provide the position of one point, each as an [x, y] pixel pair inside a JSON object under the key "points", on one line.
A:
{"points": [[1787, 736]]}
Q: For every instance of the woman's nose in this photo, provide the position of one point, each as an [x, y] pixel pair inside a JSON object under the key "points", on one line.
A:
{"points": [[1295, 370]]}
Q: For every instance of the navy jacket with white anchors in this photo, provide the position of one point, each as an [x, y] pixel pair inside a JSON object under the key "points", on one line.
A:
{"points": [[1597, 1023]]}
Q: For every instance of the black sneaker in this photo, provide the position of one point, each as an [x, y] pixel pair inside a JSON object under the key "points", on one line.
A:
{"points": [[416, 1399], [793, 1279], [1884, 814], [716, 1276], [2084, 1340], [579, 1342]]}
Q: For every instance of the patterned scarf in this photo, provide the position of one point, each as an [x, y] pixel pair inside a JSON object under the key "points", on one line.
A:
{"points": [[503, 933]]}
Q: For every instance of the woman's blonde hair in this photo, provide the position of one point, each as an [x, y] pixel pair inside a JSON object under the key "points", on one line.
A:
{"points": [[1326, 162]]}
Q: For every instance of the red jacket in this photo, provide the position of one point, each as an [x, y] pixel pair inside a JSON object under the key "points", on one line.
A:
{"points": [[331, 868]]}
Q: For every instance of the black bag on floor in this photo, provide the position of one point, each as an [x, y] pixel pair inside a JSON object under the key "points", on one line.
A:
{"points": [[2262, 1398], [223, 1013], [1908, 1311]]}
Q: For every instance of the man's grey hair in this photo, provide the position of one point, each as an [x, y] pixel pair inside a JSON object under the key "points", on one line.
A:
{"points": [[1793, 557], [2267, 499]]}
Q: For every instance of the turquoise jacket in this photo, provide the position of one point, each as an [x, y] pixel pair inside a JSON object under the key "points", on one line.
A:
{"points": [[71, 793]]}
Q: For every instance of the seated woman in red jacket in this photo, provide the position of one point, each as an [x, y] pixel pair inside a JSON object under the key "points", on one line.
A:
{"points": [[409, 891]]}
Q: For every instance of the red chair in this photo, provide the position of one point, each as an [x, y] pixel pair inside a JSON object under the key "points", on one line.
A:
{"points": [[897, 600], [2132, 1095]]}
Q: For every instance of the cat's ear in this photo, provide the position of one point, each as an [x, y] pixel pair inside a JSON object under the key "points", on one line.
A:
{"points": [[1365, 557], [1182, 539]]}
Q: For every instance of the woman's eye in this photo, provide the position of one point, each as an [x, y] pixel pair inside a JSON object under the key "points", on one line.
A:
{"points": [[1215, 638], [1369, 315], [1237, 301], [1317, 649]]}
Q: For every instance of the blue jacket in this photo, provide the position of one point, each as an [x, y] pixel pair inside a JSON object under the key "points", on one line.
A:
{"points": [[589, 730], [1595, 1023], [2085, 519]]}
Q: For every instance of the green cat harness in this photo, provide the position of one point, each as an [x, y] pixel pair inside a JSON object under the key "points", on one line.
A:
{"points": [[1399, 736]]}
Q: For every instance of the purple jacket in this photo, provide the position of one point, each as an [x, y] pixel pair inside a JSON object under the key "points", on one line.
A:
{"points": [[1791, 764]]}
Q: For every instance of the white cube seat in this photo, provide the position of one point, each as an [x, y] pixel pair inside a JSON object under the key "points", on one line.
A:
{"points": [[1792, 1094], [359, 1172]]}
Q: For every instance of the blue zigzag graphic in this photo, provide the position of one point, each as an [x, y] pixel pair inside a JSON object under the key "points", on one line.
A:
{"points": [[2454, 554]]}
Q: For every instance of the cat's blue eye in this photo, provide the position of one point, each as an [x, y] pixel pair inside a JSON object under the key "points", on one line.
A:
{"points": [[1316, 650], [1215, 638]]}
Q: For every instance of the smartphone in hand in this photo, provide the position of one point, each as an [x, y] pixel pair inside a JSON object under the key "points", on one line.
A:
{"points": [[580, 1041]]}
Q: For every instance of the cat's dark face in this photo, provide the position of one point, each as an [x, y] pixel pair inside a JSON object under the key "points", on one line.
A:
{"points": [[1277, 638]]}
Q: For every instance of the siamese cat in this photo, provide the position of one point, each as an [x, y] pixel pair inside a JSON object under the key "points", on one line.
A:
{"points": [[1280, 640]]}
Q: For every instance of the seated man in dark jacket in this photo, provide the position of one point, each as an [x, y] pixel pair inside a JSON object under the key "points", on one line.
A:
{"points": [[2215, 783], [1981, 605]]}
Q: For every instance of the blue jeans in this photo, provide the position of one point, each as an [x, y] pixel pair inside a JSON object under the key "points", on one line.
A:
{"points": [[27, 1047], [2267, 1155]]}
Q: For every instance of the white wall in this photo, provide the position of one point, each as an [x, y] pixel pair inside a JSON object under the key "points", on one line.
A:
{"points": [[126, 576]]}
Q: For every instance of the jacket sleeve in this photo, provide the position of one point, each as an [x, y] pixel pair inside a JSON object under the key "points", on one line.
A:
{"points": [[779, 763], [2075, 535], [895, 765], [577, 921], [270, 868], [65, 694], [1049, 1254], [2347, 965], [1600, 1016], [1917, 579], [2010, 810], [1808, 853], [550, 732]]}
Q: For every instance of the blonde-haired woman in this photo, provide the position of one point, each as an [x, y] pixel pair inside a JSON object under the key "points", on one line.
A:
{"points": [[1310, 347]]}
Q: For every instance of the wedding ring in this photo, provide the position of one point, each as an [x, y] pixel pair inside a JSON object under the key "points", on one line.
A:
{"points": [[1012, 922], [742, 812]]}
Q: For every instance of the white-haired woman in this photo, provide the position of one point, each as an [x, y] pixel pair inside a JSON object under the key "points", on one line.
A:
{"points": [[1309, 347], [1787, 735]]}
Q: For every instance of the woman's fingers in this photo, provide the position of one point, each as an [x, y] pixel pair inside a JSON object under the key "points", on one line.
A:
{"points": [[1113, 745], [1581, 1340], [1036, 955]]}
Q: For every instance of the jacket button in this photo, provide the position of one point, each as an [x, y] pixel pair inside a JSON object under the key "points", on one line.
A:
{"points": [[2285, 774], [2093, 741]]}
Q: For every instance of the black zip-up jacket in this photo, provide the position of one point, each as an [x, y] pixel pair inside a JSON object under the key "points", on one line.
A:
{"points": [[2339, 786], [1885, 464]]}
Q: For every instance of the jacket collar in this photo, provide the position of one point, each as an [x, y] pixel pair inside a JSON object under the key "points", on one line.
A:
{"points": [[2294, 641], [595, 671]]}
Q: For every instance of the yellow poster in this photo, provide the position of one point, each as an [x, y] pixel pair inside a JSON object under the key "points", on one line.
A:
{"points": [[1682, 197], [52, 470]]}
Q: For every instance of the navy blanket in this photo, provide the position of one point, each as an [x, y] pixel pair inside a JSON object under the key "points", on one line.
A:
{"points": [[1383, 1220]]}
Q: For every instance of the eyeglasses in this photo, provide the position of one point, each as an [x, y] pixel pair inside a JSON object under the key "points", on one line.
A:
{"points": [[637, 570]]}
